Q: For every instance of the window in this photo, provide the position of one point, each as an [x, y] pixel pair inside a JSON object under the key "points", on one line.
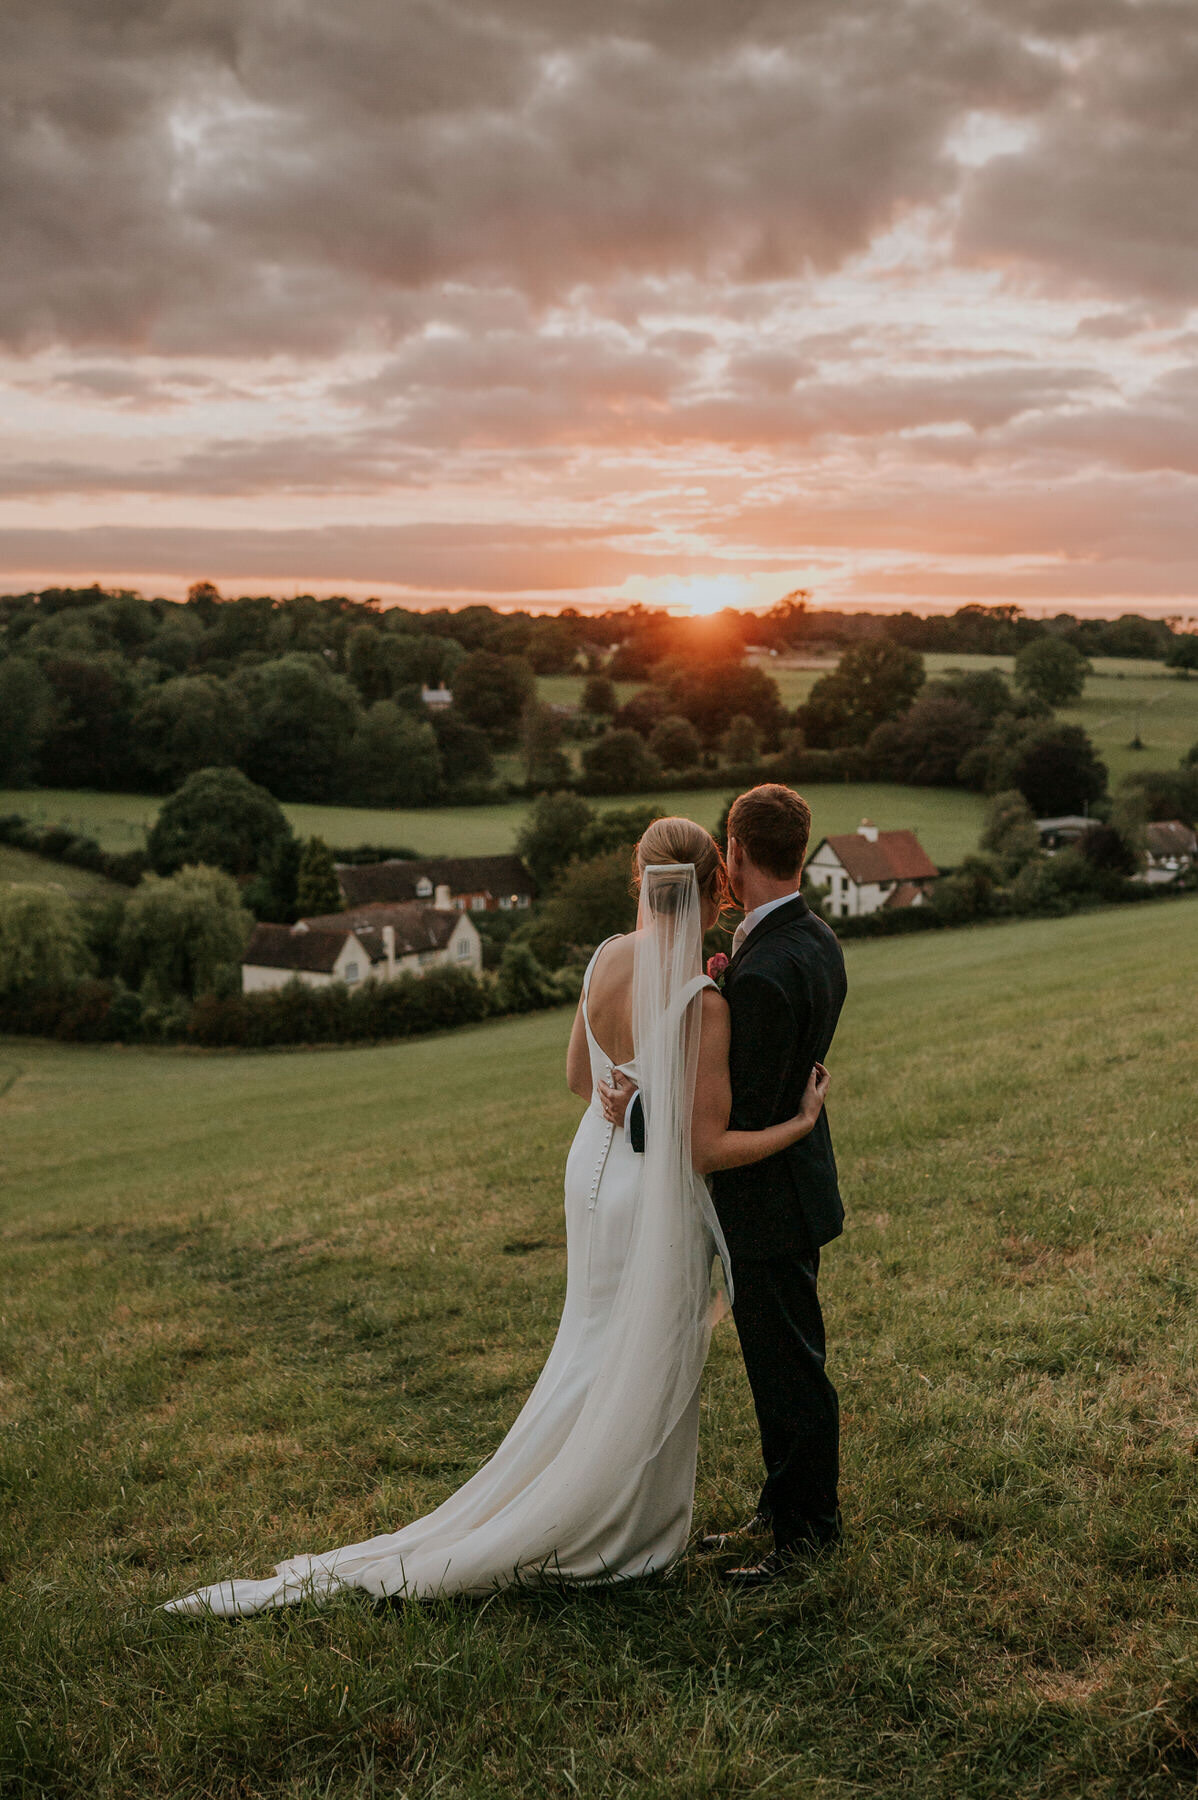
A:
{"points": [[351, 971], [478, 903], [460, 904], [424, 888], [465, 949], [505, 902]]}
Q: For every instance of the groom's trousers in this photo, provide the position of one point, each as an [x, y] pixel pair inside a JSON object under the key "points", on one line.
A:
{"points": [[781, 1330]]}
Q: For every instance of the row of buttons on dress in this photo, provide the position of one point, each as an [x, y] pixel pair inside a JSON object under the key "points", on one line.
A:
{"points": [[597, 1177]]}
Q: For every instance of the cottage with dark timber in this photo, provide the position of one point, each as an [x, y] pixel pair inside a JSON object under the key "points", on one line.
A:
{"points": [[367, 943], [466, 883]]}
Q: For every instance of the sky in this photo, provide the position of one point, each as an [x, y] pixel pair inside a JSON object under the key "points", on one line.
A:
{"points": [[594, 302]]}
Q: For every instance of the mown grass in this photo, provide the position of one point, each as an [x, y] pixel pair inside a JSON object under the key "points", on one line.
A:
{"points": [[253, 1305], [947, 820]]}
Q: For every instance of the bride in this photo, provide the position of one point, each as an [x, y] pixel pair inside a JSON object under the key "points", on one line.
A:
{"points": [[595, 1480]]}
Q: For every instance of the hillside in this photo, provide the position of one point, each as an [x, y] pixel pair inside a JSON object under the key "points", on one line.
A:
{"points": [[259, 1304]]}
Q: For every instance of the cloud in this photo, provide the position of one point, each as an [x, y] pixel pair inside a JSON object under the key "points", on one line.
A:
{"points": [[188, 173]]}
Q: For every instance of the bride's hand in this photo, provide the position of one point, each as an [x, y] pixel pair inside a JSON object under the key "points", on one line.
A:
{"points": [[814, 1095]]}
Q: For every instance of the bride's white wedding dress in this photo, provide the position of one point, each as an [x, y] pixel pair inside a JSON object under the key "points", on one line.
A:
{"points": [[595, 1480]]}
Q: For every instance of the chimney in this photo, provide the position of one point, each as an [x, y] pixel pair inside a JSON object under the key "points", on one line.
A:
{"points": [[441, 898], [868, 830], [389, 947]]}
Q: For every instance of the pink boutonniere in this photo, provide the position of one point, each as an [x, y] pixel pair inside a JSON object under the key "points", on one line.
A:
{"points": [[717, 968]]}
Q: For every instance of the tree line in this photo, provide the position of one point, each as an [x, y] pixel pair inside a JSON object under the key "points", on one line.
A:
{"points": [[321, 700]]}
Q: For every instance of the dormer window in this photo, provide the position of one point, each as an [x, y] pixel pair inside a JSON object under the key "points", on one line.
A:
{"points": [[424, 888]]}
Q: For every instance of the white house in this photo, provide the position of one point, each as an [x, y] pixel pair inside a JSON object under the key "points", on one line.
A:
{"points": [[864, 870], [1171, 848], [371, 943], [436, 697]]}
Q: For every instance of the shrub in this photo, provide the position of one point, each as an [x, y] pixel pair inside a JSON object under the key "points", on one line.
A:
{"points": [[180, 930], [42, 938], [675, 742], [620, 763], [1010, 830]]}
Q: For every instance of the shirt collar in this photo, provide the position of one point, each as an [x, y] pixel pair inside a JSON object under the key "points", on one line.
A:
{"points": [[752, 920]]}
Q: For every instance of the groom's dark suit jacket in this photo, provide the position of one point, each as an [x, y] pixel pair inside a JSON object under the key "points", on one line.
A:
{"points": [[785, 988]]}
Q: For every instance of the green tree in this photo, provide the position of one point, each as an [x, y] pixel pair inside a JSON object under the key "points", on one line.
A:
{"points": [[220, 818], [545, 763], [302, 721], [741, 743], [467, 764], [26, 715], [192, 722], [675, 743], [492, 692], [183, 933], [1009, 832], [90, 740], [393, 759], [317, 889], [1052, 670], [592, 900], [599, 695], [271, 893], [1056, 769], [1183, 654], [711, 696], [872, 682], [553, 833], [620, 763], [42, 937], [928, 744], [522, 984]]}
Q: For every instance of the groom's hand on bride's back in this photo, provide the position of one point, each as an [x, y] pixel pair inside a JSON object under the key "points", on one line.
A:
{"points": [[615, 1096]]}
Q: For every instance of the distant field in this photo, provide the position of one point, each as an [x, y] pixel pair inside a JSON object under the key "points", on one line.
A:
{"points": [[947, 820], [256, 1305], [1121, 696], [81, 884]]}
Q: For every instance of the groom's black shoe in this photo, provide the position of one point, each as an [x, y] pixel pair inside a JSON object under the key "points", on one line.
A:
{"points": [[721, 1542], [790, 1560]]}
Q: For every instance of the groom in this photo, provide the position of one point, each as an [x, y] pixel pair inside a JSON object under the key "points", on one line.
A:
{"points": [[785, 986]]}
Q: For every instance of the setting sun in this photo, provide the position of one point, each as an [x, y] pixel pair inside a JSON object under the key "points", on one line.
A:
{"points": [[705, 594]]}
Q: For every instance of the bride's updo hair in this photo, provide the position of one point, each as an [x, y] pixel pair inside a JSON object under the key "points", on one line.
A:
{"points": [[682, 841]]}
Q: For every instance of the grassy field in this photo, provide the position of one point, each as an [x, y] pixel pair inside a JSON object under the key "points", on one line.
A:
{"points": [[81, 884], [1121, 697], [947, 820], [255, 1305]]}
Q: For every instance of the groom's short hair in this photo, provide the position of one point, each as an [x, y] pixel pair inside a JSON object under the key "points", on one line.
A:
{"points": [[772, 825]]}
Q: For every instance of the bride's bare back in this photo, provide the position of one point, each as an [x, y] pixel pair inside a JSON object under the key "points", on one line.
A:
{"points": [[609, 999]]}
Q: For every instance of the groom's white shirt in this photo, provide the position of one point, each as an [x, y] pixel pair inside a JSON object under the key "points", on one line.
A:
{"points": [[752, 920]]}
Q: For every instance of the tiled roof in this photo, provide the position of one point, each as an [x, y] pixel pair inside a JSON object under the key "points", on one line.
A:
{"points": [[905, 894], [1170, 837], [417, 927], [364, 884], [892, 856], [282, 947]]}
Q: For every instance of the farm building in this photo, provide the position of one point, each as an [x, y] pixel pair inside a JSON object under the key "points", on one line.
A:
{"points": [[468, 883], [369, 943], [1059, 834], [864, 870]]}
